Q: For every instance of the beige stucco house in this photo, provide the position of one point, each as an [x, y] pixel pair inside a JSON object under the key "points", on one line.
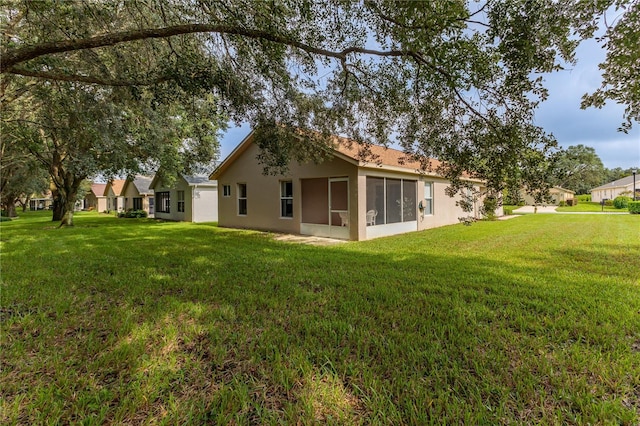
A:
{"points": [[344, 198], [95, 198], [138, 195], [557, 193], [187, 199], [611, 190], [113, 193]]}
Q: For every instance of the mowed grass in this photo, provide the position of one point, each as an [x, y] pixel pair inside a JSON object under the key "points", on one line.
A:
{"points": [[534, 320], [589, 206]]}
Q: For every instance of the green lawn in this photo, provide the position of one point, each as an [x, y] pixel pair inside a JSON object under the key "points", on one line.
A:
{"points": [[531, 320], [589, 206]]}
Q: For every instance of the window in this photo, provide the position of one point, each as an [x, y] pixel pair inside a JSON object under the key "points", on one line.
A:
{"points": [[226, 190], [242, 199], [286, 199], [428, 198], [391, 200], [180, 195], [137, 203], [162, 201]]}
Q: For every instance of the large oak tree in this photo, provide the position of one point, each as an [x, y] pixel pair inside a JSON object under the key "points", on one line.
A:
{"points": [[454, 80]]}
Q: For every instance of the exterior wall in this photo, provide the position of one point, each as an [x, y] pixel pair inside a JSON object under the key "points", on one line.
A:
{"points": [[263, 199], [129, 193], [598, 195], [204, 204], [90, 201], [112, 199], [263, 193], [174, 214], [556, 195], [99, 204]]}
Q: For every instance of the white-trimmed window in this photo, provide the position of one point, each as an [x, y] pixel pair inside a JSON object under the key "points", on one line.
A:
{"points": [[226, 190], [286, 198], [428, 198], [242, 199], [180, 196]]}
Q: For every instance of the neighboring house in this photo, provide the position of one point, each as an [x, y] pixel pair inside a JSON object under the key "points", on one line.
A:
{"points": [[113, 193], [557, 193], [95, 198], [187, 199], [611, 190], [343, 198], [43, 201], [138, 194]]}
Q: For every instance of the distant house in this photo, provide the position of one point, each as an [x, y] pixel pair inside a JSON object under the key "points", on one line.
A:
{"points": [[113, 193], [138, 194], [42, 201], [345, 197], [188, 199], [95, 198], [558, 195], [611, 190]]}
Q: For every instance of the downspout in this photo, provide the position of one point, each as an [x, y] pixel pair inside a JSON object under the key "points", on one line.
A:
{"points": [[193, 197]]}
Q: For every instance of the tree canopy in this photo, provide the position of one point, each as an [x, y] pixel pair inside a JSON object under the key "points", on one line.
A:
{"points": [[454, 80]]}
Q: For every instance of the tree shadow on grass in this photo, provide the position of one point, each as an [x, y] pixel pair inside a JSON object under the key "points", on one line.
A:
{"points": [[193, 323]]}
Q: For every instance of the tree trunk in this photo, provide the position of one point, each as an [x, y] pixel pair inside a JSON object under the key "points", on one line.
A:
{"points": [[9, 208], [26, 203], [58, 206], [67, 217]]}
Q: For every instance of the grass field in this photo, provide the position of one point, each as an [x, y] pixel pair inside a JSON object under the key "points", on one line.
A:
{"points": [[532, 320], [589, 206]]}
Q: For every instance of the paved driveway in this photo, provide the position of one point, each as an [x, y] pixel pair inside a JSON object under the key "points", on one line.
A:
{"points": [[541, 209]]}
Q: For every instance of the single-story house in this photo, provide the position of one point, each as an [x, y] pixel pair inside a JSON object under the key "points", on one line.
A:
{"points": [[557, 193], [344, 197], [611, 190], [138, 194], [113, 192], [42, 201], [95, 198], [187, 199]]}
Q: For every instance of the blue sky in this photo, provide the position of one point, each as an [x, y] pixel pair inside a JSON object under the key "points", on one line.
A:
{"points": [[560, 114]]}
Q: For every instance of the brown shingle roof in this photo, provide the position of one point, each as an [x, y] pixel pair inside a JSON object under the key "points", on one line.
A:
{"points": [[117, 185], [98, 189], [382, 156]]}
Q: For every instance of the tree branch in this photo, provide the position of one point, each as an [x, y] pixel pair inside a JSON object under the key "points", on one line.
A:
{"points": [[13, 57], [83, 78]]}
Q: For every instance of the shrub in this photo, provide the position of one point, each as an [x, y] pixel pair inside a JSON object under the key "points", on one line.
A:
{"points": [[489, 206], [5, 219], [133, 214], [621, 202], [562, 203], [507, 211], [608, 203], [634, 207], [585, 198]]}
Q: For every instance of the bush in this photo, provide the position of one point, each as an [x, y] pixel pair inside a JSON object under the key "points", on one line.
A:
{"points": [[585, 198], [634, 207], [489, 206], [621, 202], [5, 219], [608, 203], [562, 203], [133, 214], [508, 211]]}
